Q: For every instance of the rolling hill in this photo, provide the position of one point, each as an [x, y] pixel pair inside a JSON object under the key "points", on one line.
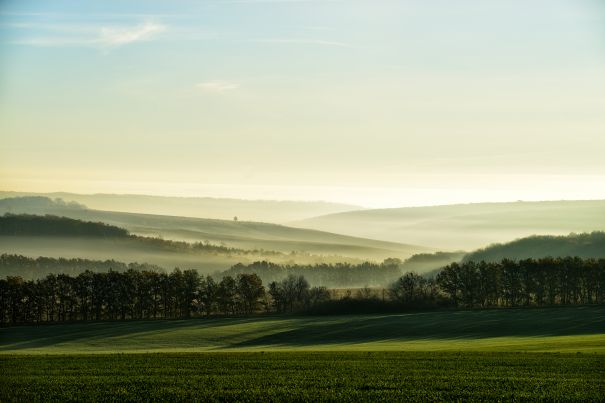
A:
{"points": [[132, 250], [585, 245], [62, 237], [465, 226], [564, 329], [234, 234], [202, 207]]}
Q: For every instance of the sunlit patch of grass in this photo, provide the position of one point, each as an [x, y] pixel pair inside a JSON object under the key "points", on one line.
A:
{"points": [[569, 329]]}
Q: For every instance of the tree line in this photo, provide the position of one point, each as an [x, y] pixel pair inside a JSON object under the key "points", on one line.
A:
{"points": [[148, 294], [584, 245], [339, 275], [144, 294], [527, 282], [27, 267], [508, 283]]}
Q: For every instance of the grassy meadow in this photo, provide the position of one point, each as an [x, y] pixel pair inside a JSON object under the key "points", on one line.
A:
{"points": [[570, 330], [506, 354], [308, 376]]}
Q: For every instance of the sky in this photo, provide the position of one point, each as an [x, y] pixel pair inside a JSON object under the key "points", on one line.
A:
{"points": [[377, 103]]}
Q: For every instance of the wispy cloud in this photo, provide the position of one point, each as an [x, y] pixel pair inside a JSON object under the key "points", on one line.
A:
{"points": [[318, 42], [217, 86], [122, 36], [90, 36]]}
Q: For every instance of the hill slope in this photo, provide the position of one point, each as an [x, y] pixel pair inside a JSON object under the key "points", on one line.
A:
{"points": [[236, 234], [465, 226], [62, 237], [23, 225], [583, 245], [202, 207], [554, 329]]}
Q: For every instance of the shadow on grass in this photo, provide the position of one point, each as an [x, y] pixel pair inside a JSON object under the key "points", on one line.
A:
{"points": [[449, 325], [312, 330], [40, 336]]}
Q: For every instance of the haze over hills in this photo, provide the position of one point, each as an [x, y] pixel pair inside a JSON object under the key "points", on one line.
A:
{"points": [[465, 226], [583, 245], [61, 237], [202, 207], [262, 200], [236, 234]]}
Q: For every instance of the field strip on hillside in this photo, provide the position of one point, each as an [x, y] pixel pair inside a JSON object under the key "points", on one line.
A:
{"points": [[567, 329]]}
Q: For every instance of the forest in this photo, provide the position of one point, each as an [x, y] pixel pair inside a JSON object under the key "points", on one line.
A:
{"points": [[585, 245], [336, 275], [330, 275], [26, 267], [146, 294]]}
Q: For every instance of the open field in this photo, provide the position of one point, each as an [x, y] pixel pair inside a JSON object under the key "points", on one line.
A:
{"points": [[568, 329], [304, 376]]}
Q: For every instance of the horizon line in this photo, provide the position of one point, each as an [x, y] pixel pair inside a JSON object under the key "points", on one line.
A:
{"points": [[350, 204]]}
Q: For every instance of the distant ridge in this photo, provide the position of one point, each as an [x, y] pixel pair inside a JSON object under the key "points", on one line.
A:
{"points": [[584, 245], [33, 204], [245, 235], [202, 207], [465, 226]]}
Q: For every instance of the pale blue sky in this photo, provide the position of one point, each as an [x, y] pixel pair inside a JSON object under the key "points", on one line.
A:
{"points": [[381, 103]]}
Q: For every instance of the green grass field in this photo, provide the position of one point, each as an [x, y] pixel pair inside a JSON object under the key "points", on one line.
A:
{"points": [[567, 329], [507, 354], [304, 376]]}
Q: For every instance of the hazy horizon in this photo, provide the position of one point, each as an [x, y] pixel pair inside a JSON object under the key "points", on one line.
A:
{"points": [[293, 200], [376, 104]]}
